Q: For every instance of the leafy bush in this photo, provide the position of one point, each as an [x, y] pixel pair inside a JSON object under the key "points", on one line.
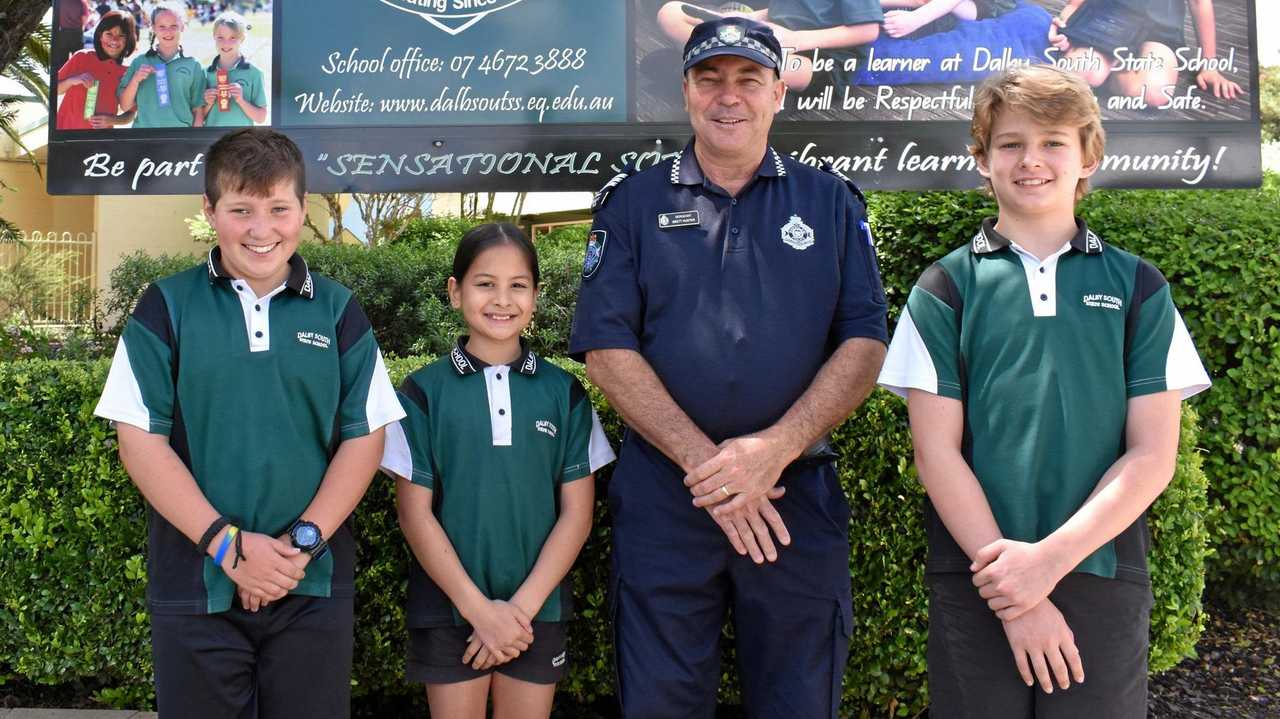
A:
{"points": [[1269, 93], [130, 278], [72, 575]]}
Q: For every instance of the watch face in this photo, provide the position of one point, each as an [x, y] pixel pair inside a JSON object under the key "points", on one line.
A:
{"points": [[306, 535]]}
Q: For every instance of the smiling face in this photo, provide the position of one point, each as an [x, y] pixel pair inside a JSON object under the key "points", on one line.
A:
{"points": [[168, 31], [227, 41], [257, 234], [731, 102], [113, 42], [497, 297], [1034, 167]]}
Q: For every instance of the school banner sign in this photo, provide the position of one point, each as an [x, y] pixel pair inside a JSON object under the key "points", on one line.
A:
{"points": [[548, 95]]}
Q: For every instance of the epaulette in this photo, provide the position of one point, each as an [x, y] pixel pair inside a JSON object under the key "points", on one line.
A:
{"points": [[603, 195], [829, 168]]}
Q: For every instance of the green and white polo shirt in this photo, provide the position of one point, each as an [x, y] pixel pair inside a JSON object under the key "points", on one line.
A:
{"points": [[255, 395], [1044, 356], [494, 444], [251, 83], [172, 103]]}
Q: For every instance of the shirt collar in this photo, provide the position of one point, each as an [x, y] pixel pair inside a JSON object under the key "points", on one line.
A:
{"points": [[465, 363], [686, 171], [241, 64], [299, 279], [156, 54], [988, 240]]}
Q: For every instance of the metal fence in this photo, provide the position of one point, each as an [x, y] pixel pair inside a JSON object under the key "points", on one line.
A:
{"points": [[48, 277]]}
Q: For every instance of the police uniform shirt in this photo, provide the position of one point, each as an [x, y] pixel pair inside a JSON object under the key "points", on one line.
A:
{"points": [[494, 444], [249, 78], [1044, 356], [186, 91], [736, 303], [255, 395]]}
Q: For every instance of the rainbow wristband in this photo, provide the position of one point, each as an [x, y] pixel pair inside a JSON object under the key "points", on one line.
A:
{"points": [[226, 542]]}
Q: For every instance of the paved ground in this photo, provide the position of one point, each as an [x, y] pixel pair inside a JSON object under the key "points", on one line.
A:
{"points": [[73, 714]]}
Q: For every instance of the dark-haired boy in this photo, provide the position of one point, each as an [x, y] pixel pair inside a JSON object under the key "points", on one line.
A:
{"points": [[1043, 370], [250, 395]]}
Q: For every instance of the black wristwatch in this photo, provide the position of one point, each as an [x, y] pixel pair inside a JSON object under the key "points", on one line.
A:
{"points": [[306, 536]]}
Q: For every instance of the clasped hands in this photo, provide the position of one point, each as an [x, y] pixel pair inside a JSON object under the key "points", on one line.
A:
{"points": [[269, 568], [1015, 578], [736, 486]]}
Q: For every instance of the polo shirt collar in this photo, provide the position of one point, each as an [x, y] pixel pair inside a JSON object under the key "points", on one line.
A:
{"points": [[686, 171], [299, 279], [156, 54], [242, 64], [988, 240], [465, 363]]}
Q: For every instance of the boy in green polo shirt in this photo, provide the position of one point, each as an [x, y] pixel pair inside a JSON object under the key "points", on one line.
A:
{"points": [[235, 93], [250, 399], [1043, 370]]}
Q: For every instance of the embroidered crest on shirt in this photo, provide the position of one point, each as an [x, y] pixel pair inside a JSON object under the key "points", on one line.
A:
{"points": [[797, 234], [315, 339], [1105, 302], [545, 427], [595, 253]]}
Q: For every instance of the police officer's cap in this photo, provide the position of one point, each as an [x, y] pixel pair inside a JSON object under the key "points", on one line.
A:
{"points": [[739, 36]]}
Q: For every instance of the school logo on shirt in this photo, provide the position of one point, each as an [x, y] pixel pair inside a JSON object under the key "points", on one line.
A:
{"points": [[545, 427], [315, 339], [595, 253], [797, 234], [452, 16], [1105, 302]]}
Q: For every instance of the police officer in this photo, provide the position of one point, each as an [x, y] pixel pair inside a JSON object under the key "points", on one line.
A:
{"points": [[731, 310]]}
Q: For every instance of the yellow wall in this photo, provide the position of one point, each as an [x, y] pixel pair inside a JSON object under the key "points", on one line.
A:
{"points": [[26, 205]]}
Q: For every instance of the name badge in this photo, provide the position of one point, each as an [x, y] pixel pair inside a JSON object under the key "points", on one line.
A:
{"points": [[671, 220]]}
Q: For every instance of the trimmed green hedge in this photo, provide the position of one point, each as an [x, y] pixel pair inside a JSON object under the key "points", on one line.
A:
{"points": [[72, 575]]}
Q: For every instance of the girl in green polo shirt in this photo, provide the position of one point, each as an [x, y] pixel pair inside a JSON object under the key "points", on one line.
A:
{"points": [[165, 86], [494, 464], [235, 94]]}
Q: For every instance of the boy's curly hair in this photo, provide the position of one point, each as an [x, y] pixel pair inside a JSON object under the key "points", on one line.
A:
{"points": [[1051, 96], [253, 160]]}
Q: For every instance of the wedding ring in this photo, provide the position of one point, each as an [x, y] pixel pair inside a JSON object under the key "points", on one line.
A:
{"points": [[725, 488]]}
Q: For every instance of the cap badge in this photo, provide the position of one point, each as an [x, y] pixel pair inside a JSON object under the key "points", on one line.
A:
{"points": [[730, 34], [797, 234]]}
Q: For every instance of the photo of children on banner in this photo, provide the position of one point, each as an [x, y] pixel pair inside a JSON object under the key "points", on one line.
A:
{"points": [[937, 44], [1093, 34], [88, 80], [193, 68]]}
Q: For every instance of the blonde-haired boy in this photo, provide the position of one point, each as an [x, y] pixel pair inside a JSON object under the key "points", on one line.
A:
{"points": [[1043, 370]]}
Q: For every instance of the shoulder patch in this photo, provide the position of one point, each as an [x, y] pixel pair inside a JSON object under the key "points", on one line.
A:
{"points": [[595, 253], [830, 169], [603, 195]]}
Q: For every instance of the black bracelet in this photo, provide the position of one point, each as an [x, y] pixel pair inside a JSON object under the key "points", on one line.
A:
{"points": [[210, 533], [239, 550]]}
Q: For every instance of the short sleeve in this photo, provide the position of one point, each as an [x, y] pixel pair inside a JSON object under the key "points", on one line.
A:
{"points": [[610, 309], [586, 447], [259, 89], [367, 401], [140, 384], [1159, 355], [73, 66], [862, 310], [407, 451], [128, 74], [925, 351], [856, 12]]}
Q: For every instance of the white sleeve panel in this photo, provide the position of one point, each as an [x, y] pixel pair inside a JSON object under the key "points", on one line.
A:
{"points": [[121, 399], [599, 452], [381, 405], [396, 458], [1183, 369], [908, 364]]}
